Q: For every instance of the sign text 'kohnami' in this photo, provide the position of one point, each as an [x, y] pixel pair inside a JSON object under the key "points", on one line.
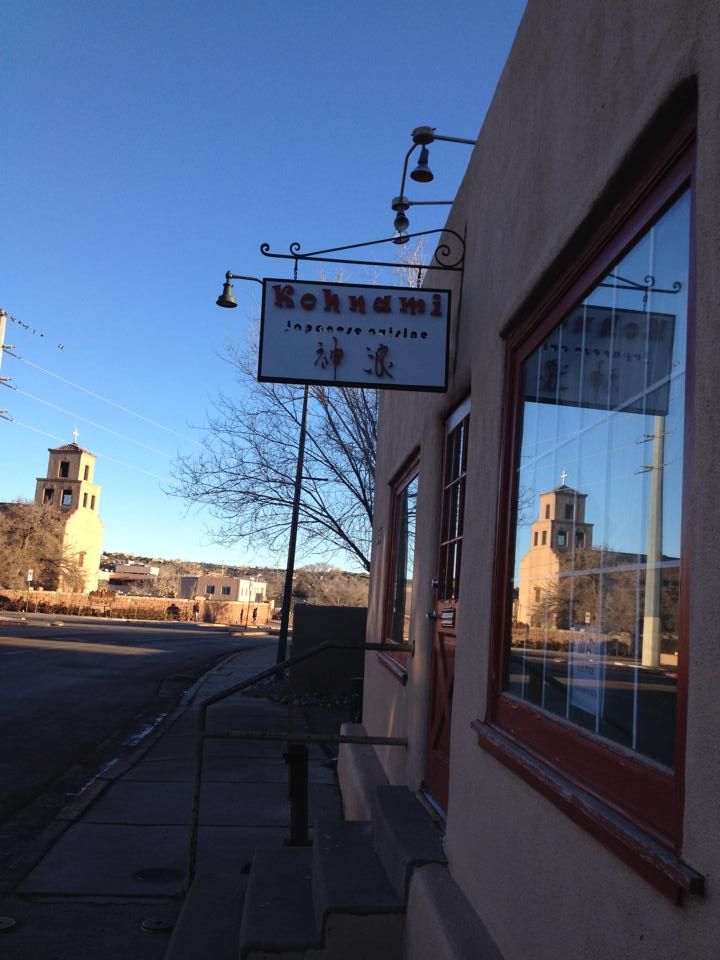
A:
{"points": [[354, 335]]}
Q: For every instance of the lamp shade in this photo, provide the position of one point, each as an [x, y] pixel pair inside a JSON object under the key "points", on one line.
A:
{"points": [[226, 298], [422, 172]]}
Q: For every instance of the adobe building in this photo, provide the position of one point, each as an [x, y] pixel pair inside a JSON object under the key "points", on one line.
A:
{"points": [[576, 795], [70, 488], [214, 587]]}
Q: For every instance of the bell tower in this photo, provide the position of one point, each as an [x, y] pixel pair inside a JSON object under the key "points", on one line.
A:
{"points": [[70, 488], [559, 531]]}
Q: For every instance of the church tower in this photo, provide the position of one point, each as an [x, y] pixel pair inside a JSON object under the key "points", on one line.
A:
{"points": [[559, 530], [70, 488]]}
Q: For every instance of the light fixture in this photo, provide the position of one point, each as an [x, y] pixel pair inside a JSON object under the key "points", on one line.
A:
{"points": [[422, 172], [227, 298], [401, 223], [421, 137]]}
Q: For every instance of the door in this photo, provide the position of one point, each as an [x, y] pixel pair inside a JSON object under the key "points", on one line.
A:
{"points": [[445, 608]]}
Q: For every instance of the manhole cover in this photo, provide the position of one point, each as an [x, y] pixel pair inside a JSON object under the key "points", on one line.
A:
{"points": [[156, 925], [158, 874], [7, 923]]}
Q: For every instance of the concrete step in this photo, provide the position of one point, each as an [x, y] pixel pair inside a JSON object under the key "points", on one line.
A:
{"points": [[209, 922], [404, 835], [357, 912], [278, 918]]}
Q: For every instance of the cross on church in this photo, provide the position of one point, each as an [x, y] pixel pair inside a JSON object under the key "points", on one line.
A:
{"points": [[563, 477], [75, 436]]}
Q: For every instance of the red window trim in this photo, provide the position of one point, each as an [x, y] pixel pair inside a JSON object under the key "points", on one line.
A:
{"points": [[395, 663], [561, 759]]}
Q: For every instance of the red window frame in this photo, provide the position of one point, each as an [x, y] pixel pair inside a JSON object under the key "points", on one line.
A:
{"points": [[630, 804], [396, 663]]}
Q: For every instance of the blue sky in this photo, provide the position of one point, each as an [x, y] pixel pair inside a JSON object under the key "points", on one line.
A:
{"points": [[151, 146]]}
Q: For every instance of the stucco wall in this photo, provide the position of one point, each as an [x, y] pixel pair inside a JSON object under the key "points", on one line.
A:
{"points": [[582, 85]]}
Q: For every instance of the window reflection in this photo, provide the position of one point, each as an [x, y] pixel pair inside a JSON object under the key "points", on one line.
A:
{"points": [[597, 537], [404, 560]]}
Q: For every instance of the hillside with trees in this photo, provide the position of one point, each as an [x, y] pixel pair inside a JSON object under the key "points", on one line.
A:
{"points": [[316, 583]]}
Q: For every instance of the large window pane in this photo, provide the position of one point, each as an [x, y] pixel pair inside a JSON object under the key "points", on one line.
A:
{"points": [[403, 565], [598, 528]]}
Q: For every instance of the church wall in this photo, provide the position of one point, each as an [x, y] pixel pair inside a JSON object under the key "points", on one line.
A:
{"points": [[84, 532]]}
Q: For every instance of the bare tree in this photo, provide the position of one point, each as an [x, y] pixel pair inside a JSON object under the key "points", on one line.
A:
{"points": [[245, 475], [31, 538]]}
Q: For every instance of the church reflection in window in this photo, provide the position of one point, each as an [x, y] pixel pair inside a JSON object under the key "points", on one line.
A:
{"points": [[595, 620]]}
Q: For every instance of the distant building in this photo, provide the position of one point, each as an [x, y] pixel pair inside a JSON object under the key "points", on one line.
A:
{"points": [[69, 487], [213, 587], [127, 573]]}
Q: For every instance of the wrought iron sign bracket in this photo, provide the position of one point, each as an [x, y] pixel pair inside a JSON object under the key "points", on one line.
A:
{"points": [[646, 287], [446, 257]]}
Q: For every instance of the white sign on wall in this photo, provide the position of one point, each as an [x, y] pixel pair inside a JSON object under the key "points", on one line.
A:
{"points": [[354, 335]]}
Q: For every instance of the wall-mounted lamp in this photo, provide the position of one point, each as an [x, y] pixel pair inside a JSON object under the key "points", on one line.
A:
{"points": [[422, 172], [401, 223], [227, 297], [422, 137]]}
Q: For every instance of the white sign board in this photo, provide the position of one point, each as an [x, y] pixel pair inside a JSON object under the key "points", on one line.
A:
{"points": [[350, 335], [29, 576], [605, 358]]}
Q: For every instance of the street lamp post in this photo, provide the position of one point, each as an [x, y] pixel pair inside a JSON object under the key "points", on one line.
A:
{"points": [[227, 299], [290, 567]]}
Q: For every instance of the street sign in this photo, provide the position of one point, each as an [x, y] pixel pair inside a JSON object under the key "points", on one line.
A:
{"points": [[29, 576]]}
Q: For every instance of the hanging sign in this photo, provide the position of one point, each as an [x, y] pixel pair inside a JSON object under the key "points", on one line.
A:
{"points": [[350, 335], [607, 358]]}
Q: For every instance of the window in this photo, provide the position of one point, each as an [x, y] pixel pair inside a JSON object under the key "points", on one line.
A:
{"points": [[400, 566], [210, 588], [544, 537], [48, 495], [547, 511], [225, 591], [66, 498], [92, 502], [535, 539], [562, 538], [64, 469], [397, 629], [86, 472], [85, 498], [595, 692]]}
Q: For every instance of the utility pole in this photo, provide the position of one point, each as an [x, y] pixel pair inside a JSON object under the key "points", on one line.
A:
{"points": [[3, 347], [651, 641]]}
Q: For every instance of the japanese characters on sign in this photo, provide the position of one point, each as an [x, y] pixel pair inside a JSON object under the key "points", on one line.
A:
{"points": [[605, 358], [354, 335]]}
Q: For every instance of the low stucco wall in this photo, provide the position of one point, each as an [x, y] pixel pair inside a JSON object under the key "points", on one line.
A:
{"points": [[103, 603]]}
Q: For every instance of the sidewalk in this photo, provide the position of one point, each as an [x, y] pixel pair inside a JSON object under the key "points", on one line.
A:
{"points": [[116, 859]]}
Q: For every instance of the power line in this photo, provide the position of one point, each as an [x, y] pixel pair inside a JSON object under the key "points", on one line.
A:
{"points": [[97, 396], [77, 416], [99, 456]]}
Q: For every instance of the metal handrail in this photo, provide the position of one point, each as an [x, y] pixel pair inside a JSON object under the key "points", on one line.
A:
{"points": [[278, 668]]}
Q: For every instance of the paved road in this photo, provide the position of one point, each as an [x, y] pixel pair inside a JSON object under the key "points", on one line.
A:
{"points": [[74, 691]]}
